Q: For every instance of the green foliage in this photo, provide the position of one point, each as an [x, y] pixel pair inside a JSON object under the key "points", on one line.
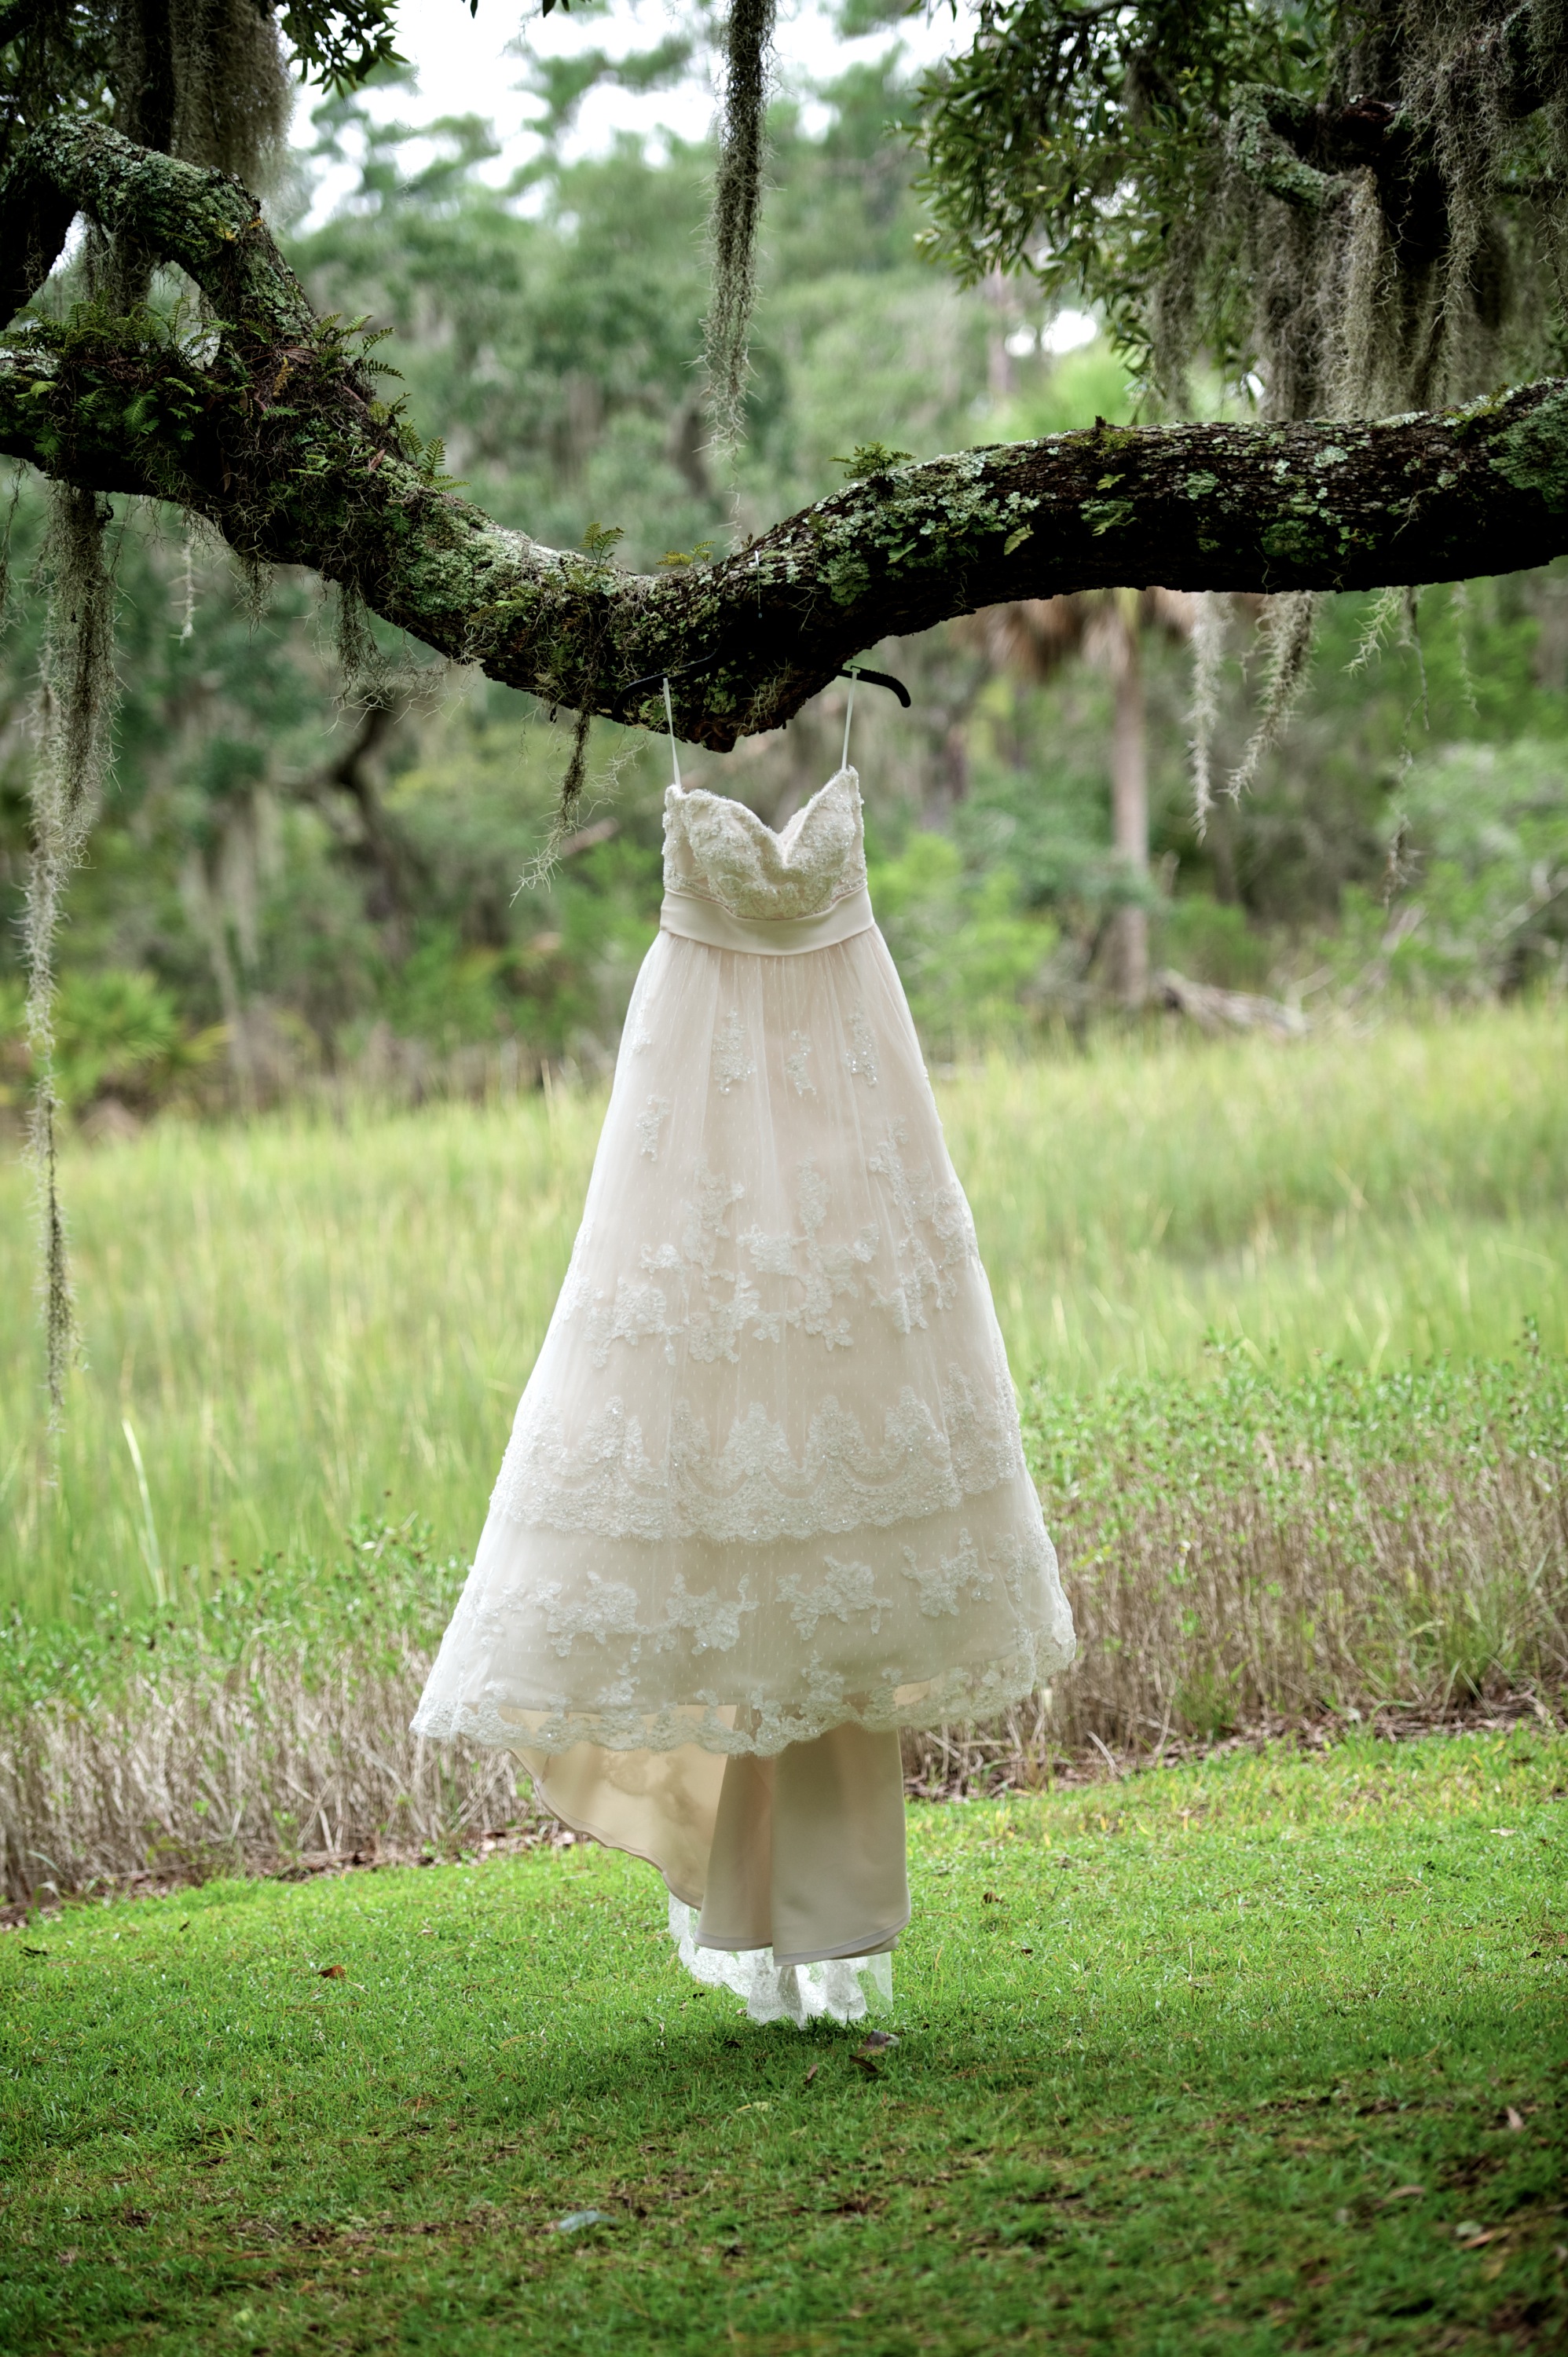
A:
{"points": [[1211, 943], [553, 343], [1081, 142], [1223, 2055], [1261, 1500], [1080, 388], [81, 59], [965, 950], [1476, 668], [388, 1585], [550, 330], [1485, 830], [556, 347], [53, 58], [869, 460], [562, 82], [1039, 803], [116, 1033], [1359, 202], [341, 43]]}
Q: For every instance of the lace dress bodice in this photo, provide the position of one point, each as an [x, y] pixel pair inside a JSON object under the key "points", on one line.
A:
{"points": [[718, 850]]}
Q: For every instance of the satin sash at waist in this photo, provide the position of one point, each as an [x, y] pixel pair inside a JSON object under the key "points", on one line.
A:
{"points": [[697, 919]]}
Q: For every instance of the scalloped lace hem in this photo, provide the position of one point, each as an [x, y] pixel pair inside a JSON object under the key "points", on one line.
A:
{"points": [[750, 1723], [844, 1988]]}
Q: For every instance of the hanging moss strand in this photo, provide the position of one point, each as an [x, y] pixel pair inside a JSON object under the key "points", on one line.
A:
{"points": [[75, 719], [737, 206]]}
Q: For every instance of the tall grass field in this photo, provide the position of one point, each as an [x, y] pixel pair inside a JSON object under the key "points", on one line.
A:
{"points": [[1289, 1326], [294, 1323]]}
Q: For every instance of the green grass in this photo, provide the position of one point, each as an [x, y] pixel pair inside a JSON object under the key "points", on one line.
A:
{"points": [[1265, 2054], [301, 1322]]}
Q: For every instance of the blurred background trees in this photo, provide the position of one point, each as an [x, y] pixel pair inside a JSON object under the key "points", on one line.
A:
{"points": [[285, 889]]}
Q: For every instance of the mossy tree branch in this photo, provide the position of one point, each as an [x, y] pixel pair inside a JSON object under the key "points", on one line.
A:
{"points": [[275, 437]]}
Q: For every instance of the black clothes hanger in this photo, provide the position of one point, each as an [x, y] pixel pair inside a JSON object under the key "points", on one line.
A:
{"points": [[881, 679], [706, 662]]}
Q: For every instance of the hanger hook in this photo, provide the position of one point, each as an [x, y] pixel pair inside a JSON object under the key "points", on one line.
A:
{"points": [[851, 672], [674, 750]]}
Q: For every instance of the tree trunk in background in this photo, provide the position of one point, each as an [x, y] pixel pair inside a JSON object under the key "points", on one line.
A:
{"points": [[999, 376], [1129, 941], [203, 898]]}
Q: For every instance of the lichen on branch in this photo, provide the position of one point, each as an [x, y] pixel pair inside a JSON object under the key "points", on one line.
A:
{"points": [[272, 433]]}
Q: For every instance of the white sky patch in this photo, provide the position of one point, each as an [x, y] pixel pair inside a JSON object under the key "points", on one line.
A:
{"points": [[1069, 332], [471, 65]]}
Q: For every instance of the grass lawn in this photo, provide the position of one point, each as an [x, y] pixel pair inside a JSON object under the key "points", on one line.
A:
{"points": [[1265, 2054]]}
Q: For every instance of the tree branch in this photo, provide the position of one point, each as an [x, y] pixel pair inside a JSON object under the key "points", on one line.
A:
{"points": [[1265, 136], [275, 440], [201, 219], [1299, 150]]}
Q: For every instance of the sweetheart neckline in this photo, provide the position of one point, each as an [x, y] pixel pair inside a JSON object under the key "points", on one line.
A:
{"points": [[786, 837]]}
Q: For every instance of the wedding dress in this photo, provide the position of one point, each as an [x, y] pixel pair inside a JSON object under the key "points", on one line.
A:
{"points": [[764, 1500]]}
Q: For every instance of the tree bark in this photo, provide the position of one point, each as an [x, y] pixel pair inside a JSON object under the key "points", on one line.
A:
{"points": [[274, 437]]}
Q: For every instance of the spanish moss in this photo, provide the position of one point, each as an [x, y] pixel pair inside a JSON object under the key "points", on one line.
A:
{"points": [[359, 657], [1208, 668], [11, 507], [1382, 620], [203, 80], [576, 770], [1292, 622], [77, 694], [233, 92], [737, 206]]}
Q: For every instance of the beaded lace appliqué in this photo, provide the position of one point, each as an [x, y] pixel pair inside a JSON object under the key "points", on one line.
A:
{"points": [[731, 1063], [943, 1584], [609, 1610], [860, 1058], [648, 1125], [848, 1590], [797, 1065], [821, 1699], [681, 1293]]}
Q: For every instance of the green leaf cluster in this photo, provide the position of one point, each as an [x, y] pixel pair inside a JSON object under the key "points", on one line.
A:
{"points": [[1081, 142]]}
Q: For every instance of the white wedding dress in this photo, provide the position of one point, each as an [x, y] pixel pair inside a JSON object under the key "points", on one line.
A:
{"points": [[765, 1497]]}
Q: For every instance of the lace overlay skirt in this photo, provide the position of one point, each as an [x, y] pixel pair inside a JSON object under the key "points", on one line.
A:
{"points": [[765, 1478]]}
